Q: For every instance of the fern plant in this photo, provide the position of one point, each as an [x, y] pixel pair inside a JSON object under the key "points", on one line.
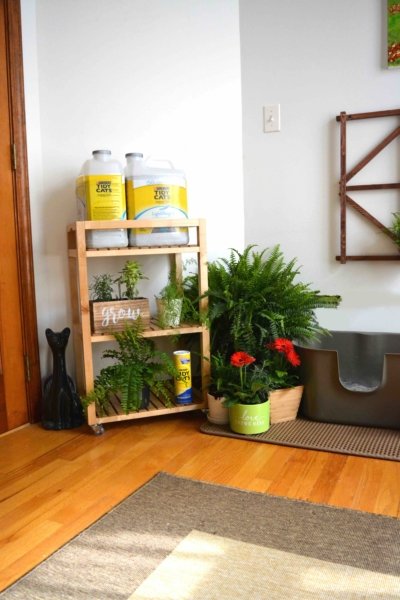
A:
{"points": [[138, 365], [254, 298]]}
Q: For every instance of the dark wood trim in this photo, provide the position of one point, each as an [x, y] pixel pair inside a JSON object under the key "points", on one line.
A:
{"points": [[345, 200], [374, 152], [343, 223], [374, 186], [22, 207], [370, 115], [369, 217], [375, 257]]}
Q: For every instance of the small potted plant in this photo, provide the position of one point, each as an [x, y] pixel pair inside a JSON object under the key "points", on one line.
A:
{"points": [[217, 412], [102, 288], [139, 369], [282, 362], [129, 278], [245, 387], [278, 373], [170, 300], [108, 313], [178, 301]]}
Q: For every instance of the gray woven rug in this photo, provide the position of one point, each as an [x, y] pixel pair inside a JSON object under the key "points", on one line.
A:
{"points": [[345, 439], [179, 538]]}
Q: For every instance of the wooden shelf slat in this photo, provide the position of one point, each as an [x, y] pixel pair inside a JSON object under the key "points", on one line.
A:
{"points": [[154, 331], [135, 224], [151, 412]]}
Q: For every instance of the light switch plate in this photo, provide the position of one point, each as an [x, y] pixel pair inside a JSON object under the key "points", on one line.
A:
{"points": [[272, 118]]}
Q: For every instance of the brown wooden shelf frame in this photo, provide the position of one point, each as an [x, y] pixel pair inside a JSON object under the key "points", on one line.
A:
{"points": [[346, 176]]}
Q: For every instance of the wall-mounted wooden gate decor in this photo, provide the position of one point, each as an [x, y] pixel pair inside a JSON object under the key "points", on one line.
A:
{"points": [[345, 177]]}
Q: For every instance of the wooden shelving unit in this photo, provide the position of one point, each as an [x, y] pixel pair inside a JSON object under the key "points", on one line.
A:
{"points": [[78, 257]]}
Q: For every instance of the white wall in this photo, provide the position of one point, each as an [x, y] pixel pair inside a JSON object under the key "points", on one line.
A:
{"points": [[160, 77], [317, 58], [164, 77]]}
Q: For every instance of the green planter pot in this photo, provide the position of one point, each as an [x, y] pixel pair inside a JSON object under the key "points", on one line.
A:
{"points": [[249, 418]]}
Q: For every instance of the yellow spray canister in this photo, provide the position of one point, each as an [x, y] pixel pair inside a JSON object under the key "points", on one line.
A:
{"points": [[100, 193], [155, 190], [183, 380]]}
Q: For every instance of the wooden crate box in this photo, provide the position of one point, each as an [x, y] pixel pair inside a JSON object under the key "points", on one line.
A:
{"points": [[106, 317]]}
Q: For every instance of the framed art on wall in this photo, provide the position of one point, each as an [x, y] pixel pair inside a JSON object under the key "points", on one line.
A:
{"points": [[393, 30]]}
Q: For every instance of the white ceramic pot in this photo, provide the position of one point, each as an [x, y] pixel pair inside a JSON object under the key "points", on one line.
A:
{"points": [[217, 413]]}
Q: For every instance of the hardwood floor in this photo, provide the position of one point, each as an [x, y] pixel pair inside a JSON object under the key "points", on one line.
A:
{"points": [[53, 484]]}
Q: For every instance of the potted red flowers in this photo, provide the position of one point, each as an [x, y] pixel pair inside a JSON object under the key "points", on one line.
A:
{"points": [[243, 386], [258, 304], [285, 394], [258, 392]]}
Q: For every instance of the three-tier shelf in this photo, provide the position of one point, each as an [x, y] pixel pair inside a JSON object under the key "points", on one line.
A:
{"points": [[84, 339]]}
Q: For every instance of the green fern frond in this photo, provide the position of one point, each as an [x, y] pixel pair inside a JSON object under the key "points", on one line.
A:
{"points": [[254, 297]]}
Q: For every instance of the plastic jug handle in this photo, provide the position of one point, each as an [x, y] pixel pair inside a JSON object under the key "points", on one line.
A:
{"points": [[151, 159]]}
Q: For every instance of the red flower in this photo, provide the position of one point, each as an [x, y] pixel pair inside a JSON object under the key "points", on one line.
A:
{"points": [[293, 358], [281, 345], [241, 359], [285, 346]]}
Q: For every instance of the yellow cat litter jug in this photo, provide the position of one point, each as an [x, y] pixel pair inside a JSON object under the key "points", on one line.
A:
{"points": [[100, 192], [155, 190]]}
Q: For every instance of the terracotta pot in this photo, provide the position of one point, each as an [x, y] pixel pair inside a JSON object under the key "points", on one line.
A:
{"points": [[217, 413], [285, 404]]}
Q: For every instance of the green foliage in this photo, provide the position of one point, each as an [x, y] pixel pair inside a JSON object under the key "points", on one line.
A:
{"points": [[102, 288], [173, 290], [254, 298], [101, 393], [275, 371], [138, 365], [253, 391], [395, 228], [129, 277], [191, 299], [185, 288]]}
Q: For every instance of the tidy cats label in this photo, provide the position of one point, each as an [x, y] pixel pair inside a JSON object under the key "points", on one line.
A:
{"points": [[105, 196], [156, 201]]}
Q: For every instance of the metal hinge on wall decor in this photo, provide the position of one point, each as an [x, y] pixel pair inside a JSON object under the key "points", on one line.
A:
{"points": [[27, 367], [13, 157]]}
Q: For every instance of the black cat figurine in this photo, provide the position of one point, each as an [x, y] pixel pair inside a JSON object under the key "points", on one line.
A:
{"points": [[62, 407]]}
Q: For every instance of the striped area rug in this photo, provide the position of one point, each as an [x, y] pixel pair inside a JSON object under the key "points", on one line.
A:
{"points": [[373, 442]]}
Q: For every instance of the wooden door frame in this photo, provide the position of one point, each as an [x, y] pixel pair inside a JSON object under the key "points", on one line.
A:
{"points": [[18, 156]]}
